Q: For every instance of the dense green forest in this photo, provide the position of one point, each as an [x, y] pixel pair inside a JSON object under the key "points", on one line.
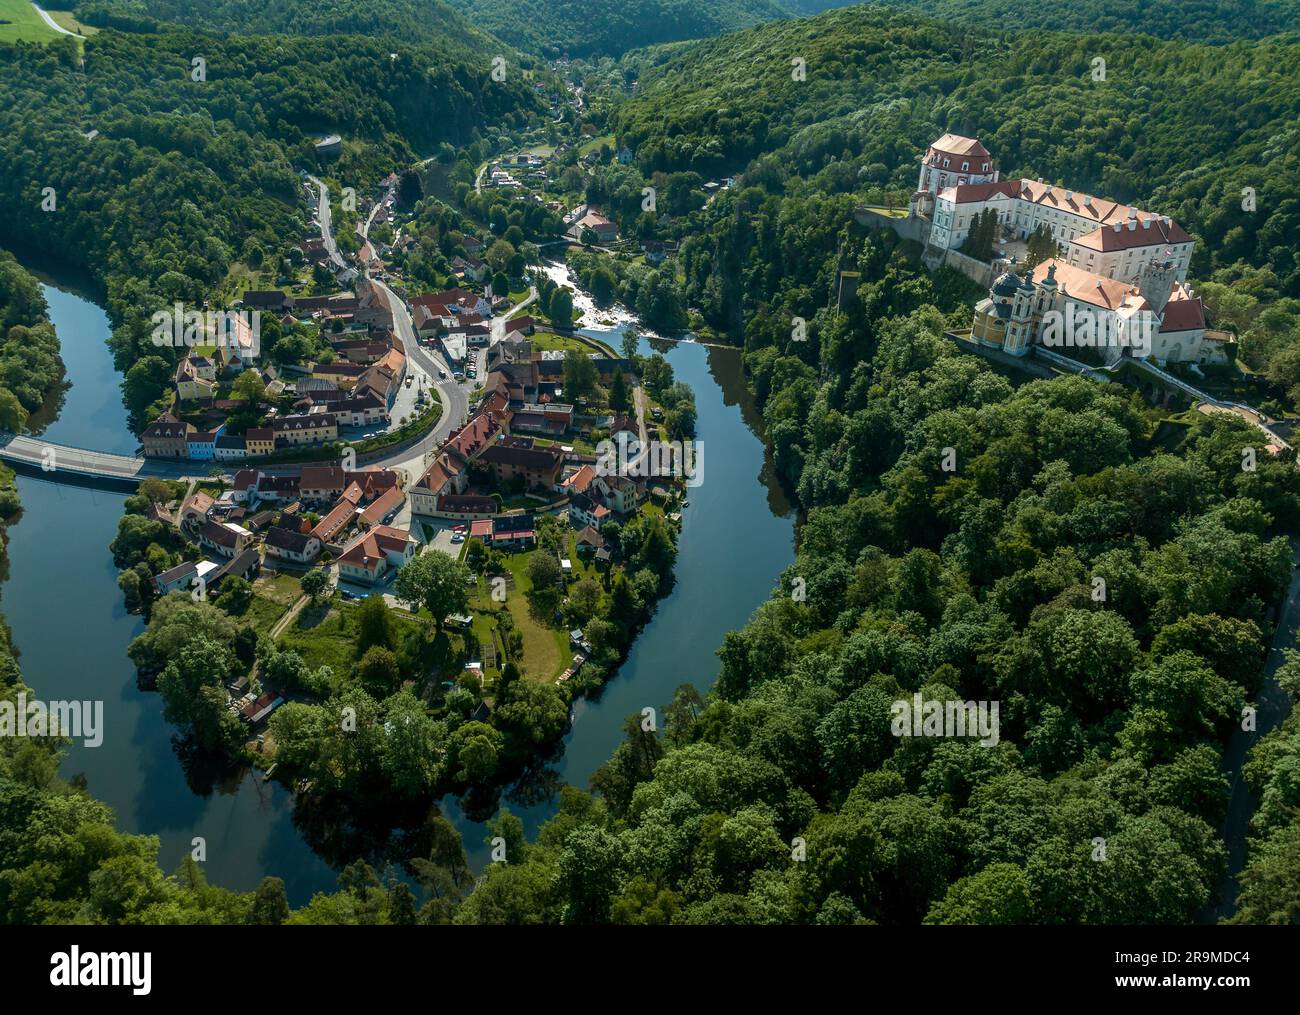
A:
{"points": [[30, 366], [1213, 21], [784, 797], [416, 20], [585, 28], [185, 177]]}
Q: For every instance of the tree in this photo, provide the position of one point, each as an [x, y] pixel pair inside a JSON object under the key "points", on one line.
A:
{"points": [[619, 397], [270, 903], [249, 386], [379, 672], [436, 582], [374, 624], [314, 583], [560, 308], [155, 491], [579, 374], [630, 343], [13, 417], [543, 571]]}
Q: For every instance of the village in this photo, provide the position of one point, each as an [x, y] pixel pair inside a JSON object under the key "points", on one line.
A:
{"points": [[304, 515]]}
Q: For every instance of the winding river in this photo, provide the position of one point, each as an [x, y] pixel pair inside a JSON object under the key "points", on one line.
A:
{"points": [[62, 603]]}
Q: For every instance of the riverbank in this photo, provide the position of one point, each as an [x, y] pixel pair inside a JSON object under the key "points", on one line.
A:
{"points": [[737, 536]]}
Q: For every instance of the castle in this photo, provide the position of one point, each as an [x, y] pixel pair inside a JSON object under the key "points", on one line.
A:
{"points": [[1119, 283]]}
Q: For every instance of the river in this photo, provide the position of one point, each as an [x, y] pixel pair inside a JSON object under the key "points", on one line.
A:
{"points": [[62, 603]]}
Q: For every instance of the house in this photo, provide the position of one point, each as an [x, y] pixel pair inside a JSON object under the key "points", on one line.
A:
{"points": [[621, 494], [579, 481], [267, 299], [511, 458], [201, 445], [166, 438], [623, 424], [375, 554], [335, 521], [466, 506], [445, 474], [605, 230], [230, 447], [246, 565], [340, 373], [244, 489], [363, 410], [179, 577], [256, 712], [589, 541], [190, 386], [589, 513], [314, 428], [383, 507], [288, 544], [515, 532], [259, 441], [196, 510], [224, 538], [322, 482]]}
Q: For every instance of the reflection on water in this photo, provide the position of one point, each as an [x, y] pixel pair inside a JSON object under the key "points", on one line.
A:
{"points": [[66, 613]]}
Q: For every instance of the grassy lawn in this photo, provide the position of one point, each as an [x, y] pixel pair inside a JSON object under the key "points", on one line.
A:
{"points": [[595, 143], [68, 20], [19, 22], [549, 340], [546, 650]]}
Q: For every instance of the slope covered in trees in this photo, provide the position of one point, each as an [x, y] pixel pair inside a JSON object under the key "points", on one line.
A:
{"points": [[1205, 134], [583, 28], [1214, 21], [187, 176], [30, 366], [1103, 573], [418, 20]]}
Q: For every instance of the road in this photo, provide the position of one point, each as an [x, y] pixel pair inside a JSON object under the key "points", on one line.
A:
{"points": [[323, 217], [54, 24]]}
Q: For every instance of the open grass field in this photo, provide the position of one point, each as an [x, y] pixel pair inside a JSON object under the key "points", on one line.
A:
{"points": [[19, 22]]}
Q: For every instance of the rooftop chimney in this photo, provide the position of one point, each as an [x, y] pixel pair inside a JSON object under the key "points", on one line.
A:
{"points": [[1087, 200], [1132, 225], [1069, 195], [1117, 227]]}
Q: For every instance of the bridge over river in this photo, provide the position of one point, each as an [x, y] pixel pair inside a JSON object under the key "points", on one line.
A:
{"points": [[61, 463]]}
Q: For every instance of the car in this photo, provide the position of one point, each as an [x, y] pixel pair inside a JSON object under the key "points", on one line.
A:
{"points": [[346, 594], [458, 537], [460, 528], [442, 373], [408, 380]]}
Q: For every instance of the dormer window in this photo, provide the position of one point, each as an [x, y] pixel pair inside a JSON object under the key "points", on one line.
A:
{"points": [[986, 167], [965, 166], [945, 163]]}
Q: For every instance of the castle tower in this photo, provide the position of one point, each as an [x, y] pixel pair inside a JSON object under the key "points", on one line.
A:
{"points": [[1020, 326], [1156, 281]]}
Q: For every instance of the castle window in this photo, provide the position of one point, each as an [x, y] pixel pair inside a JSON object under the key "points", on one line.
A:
{"points": [[965, 166]]}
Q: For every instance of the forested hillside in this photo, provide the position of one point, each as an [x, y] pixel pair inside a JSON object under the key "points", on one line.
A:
{"points": [[414, 20], [1176, 128], [1213, 21], [1107, 572], [786, 797], [583, 28], [186, 176], [30, 366]]}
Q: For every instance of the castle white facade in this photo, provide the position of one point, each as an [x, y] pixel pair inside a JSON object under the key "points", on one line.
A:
{"points": [[1119, 282]]}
